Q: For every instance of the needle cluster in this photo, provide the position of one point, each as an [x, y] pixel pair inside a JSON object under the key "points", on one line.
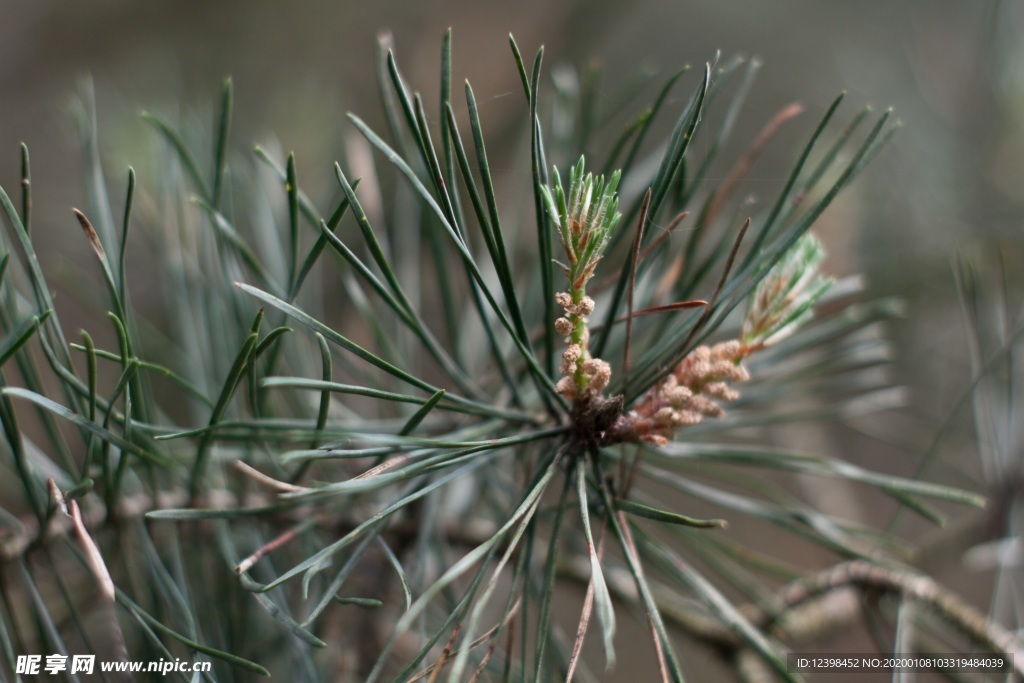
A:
{"points": [[585, 220]]}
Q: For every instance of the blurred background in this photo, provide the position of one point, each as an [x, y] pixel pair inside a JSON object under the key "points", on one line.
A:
{"points": [[951, 182]]}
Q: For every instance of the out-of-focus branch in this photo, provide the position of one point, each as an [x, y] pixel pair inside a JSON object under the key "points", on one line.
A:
{"points": [[909, 586], [15, 543], [816, 606]]}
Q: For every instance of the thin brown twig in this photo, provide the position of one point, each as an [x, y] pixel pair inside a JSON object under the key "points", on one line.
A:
{"points": [[631, 285], [670, 308], [725, 275], [16, 544], [443, 659], [483, 664], [581, 630], [493, 631], [656, 243], [655, 310], [913, 586], [736, 174], [709, 309], [745, 162], [588, 605], [665, 234], [631, 549], [97, 565], [818, 604]]}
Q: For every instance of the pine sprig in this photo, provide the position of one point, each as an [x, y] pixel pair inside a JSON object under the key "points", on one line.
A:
{"points": [[414, 448]]}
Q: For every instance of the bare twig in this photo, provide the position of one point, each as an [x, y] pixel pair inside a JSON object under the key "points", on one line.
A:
{"points": [[710, 308], [92, 553], [18, 542], [631, 549], [445, 654], [654, 246], [588, 605], [483, 664], [493, 631], [94, 558], [736, 174], [815, 605], [909, 585], [742, 167], [633, 261]]}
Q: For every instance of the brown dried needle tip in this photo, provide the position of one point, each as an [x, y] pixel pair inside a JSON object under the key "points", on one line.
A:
{"points": [[90, 232]]}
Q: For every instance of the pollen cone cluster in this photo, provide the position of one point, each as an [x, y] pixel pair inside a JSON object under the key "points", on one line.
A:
{"points": [[698, 387], [581, 375], [695, 389]]}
